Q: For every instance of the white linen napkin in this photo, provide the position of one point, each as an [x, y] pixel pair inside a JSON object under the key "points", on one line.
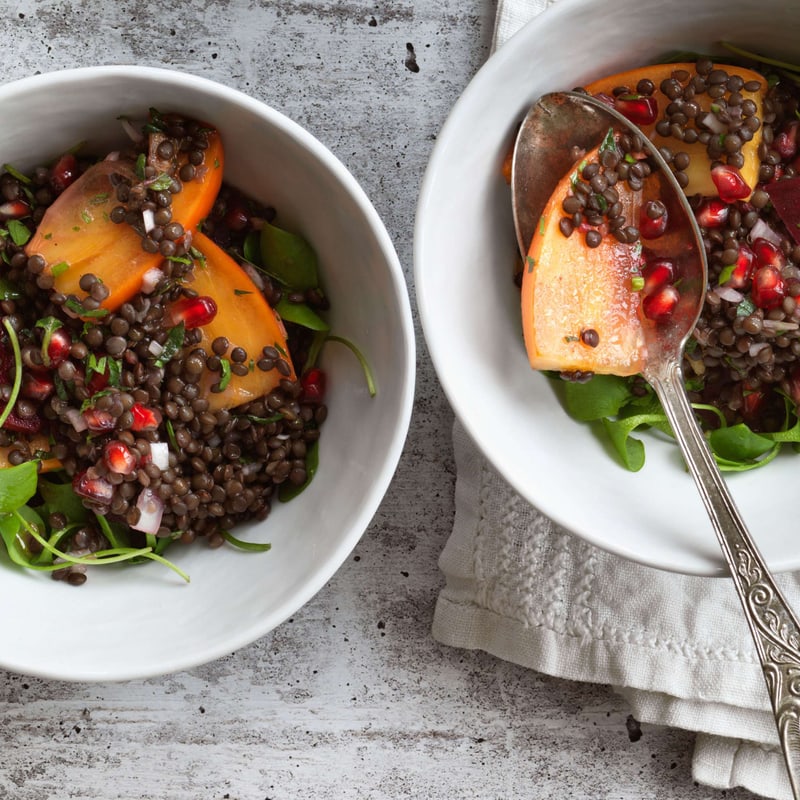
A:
{"points": [[676, 647]]}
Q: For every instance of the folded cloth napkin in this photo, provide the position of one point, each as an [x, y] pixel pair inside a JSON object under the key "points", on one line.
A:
{"points": [[676, 647]]}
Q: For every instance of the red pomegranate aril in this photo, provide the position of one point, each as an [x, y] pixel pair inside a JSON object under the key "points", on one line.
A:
{"points": [[785, 141], [193, 312], [144, 418], [313, 383], [236, 217], [97, 382], [652, 227], [36, 387], [657, 274], [119, 458], [712, 213], [64, 172], [14, 209], [768, 254], [768, 289], [14, 422], [660, 305], [752, 402], [58, 348], [91, 486], [730, 183], [639, 109], [743, 269], [98, 420]]}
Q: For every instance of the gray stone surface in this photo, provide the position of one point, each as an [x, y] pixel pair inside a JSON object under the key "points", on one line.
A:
{"points": [[351, 698]]}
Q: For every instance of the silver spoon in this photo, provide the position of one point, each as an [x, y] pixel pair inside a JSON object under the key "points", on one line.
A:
{"points": [[555, 127]]}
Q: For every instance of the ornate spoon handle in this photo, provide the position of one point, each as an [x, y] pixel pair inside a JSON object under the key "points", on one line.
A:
{"points": [[772, 623]]}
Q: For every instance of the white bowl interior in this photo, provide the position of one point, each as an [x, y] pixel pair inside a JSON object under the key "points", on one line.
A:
{"points": [[138, 622], [469, 307]]}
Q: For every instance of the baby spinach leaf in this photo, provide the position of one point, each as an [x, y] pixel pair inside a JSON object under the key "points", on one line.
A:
{"points": [[602, 396], [301, 314], [738, 443], [17, 486], [289, 257]]}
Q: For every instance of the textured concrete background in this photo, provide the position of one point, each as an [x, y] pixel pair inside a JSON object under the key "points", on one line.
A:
{"points": [[352, 698]]}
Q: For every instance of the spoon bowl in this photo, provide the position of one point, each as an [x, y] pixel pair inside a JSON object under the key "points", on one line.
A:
{"points": [[554, 133]]}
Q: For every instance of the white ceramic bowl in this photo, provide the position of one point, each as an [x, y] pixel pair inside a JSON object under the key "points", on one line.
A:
{"points": [[469, 307], [137, 622]]}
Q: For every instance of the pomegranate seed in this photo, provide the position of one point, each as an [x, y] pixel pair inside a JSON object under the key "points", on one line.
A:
{"points": [[743, 269], [712, 213], [64, 172], [14, 422], [785, 142], [640, 110], [768, 254], [98, 420], [91, 486], [313, 383], [119, 458], [144, 418], [97, 382], [36, 387], [193, 312], [58, 347], [660, 305], [657, 274], [14, 209], [653, 220], [236, 217], [752, 401], [769, 288], [730, 183]]}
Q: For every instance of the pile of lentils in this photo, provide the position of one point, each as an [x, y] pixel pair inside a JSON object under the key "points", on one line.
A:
{"points": [[744, 356], [225, 466]]}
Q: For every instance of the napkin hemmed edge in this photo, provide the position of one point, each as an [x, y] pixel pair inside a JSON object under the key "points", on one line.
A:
{"points": [[471, 627]]}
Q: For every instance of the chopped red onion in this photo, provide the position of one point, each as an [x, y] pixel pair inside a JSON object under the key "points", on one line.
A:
{"points": [[76, 419], [151, 279], [149, 219], [728, 293], [135, 135], [714, 123], [761, 230], [151, 509], [159, 454]]}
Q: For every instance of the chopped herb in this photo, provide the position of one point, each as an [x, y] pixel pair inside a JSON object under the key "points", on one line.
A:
{"points": [[114, 371], [531, 262], [74, 305], [86, 216], [725, 274], [18, 231], [98, 199], [172, 345], [50, 325], [745, 308], [239, 292], [141, 163], [161, 183], [259, 547], [16, 173], [171, 435], [225, 379], [637, 283]]}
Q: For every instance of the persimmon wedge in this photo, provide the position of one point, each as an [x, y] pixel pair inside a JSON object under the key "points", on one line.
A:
{"points": [[244, 318], [699, 169], [580, 312], [76, 235]]}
